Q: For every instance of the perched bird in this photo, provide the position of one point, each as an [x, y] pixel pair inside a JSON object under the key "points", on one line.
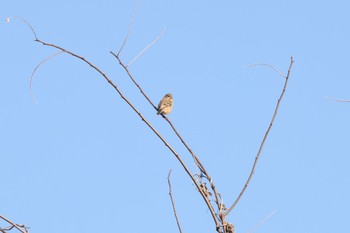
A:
{"points": [[165, 105]]}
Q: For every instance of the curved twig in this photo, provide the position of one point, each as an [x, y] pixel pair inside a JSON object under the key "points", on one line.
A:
{"points": [[266, 134], [271, 66], [32, 76]]}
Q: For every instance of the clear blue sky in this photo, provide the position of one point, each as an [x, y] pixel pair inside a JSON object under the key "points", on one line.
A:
{"points": [[82, 161]]}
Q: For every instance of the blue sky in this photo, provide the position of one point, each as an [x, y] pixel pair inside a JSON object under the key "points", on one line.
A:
{"points": [[80, 160]]}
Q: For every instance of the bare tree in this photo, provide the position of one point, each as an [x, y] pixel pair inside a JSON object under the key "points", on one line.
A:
{"points": [[200, 176]]}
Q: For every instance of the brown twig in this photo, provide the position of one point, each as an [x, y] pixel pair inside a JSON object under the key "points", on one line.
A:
{"points": [[173, 203], [266, 133], [18, 227], [132, 78]]}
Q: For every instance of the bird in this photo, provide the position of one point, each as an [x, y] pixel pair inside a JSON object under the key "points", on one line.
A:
{"points": [[166, 104]]}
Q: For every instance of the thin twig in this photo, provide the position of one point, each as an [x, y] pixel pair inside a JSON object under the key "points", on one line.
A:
{"points": [[173, 203], [266, 134], [132, 78], [32, 76], [148, 46], [271, 66], [130, 27], [337, 100], [13, 224], [262, 222]]}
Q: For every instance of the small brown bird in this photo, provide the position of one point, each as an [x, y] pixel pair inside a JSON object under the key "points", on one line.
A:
{"points": [[165, 105]]}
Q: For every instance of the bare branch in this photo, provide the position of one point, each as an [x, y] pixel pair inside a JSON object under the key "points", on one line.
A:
{"points": [[173, 203], [18, 227], [265, 136], [148, 46], [32, 76]]}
